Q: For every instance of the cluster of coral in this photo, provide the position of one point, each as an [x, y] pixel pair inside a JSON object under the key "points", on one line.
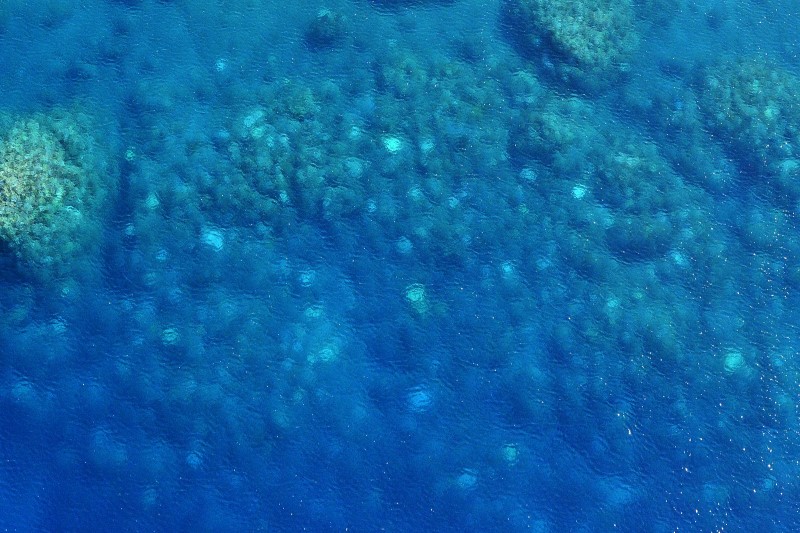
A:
{"points": [[53, 184], [410, 162], [752, 104], [627, 198], [594, 37], [284, 238]]}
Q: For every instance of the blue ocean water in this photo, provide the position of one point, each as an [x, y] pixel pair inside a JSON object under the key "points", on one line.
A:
{"points": [[375, 265]]}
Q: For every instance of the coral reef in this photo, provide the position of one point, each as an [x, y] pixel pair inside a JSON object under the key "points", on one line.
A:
{"points": [[622, 194], [326, 30], [52, 189], [752, 105], [593, 38]]}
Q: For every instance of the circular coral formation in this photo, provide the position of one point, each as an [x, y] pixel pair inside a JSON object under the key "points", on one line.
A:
{"points": [[50, 191]]}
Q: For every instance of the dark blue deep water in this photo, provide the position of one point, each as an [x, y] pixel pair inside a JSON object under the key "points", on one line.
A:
{"points": [[385, 265]]}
